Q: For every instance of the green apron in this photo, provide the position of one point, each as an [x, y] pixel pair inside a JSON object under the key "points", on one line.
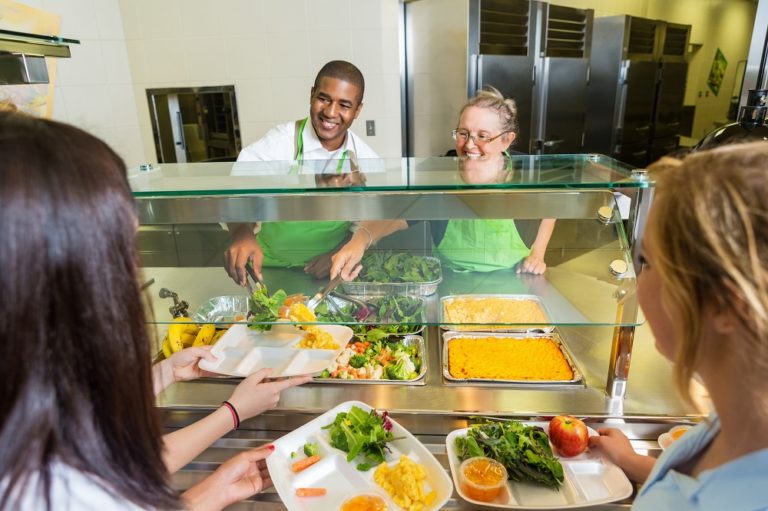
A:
{"points": [[287, 244], [481, 245]]}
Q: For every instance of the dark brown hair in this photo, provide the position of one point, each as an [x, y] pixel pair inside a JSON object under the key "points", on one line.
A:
{"points": [[344, 71], [75, 375]]}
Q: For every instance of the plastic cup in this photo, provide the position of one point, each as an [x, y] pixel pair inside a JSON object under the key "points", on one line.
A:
{"points": [[482, 478]]}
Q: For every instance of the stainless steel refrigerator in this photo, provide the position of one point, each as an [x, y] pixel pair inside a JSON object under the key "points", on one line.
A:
{"points": [[538, 54], [637, 86]]}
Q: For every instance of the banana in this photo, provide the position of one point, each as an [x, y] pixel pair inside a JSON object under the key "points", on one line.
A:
{"points": [[217, 336], [176, 330], [167, 352], [205, 335], [187, 338]]}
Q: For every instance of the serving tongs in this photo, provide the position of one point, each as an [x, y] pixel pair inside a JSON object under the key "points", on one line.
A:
{"points": [[363, 309], [321, 295], [256, 279]]}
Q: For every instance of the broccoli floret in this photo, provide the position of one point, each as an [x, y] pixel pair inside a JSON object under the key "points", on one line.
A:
{"points": [[311, 449], [357, 361], [325, 374], [401, 370]]}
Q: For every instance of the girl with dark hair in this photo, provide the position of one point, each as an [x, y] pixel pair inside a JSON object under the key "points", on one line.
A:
{"points": [[78, 427]]}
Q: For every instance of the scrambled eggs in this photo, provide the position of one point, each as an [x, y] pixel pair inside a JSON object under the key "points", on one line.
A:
{"points": [[316, 338], [501, 312], [403, 483]]}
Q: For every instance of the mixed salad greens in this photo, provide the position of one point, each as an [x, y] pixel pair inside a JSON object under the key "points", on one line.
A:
{"points": [[385, 266], [523, 450], [376, 359], [264, 308], [358, 432], [391, 314]]}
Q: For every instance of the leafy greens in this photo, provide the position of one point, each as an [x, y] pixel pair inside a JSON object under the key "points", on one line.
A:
{"points": [[390, 314], [383, 267], [358, 432], [264, 308], [523, 450]]}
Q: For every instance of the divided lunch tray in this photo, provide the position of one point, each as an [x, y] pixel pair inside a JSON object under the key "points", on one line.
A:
{"points": [[448, 336], [476, 327], [242, 351], [590, 479], [340, 478]]}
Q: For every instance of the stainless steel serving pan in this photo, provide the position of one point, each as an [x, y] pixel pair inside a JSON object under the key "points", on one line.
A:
{"points": [[409, 340], [494, 328], [372, 289], [554, 336]]}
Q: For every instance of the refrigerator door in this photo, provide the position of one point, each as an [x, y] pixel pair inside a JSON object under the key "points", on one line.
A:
{"points": [[513, 76], [565, 83], [671, 94], [637, 123]]}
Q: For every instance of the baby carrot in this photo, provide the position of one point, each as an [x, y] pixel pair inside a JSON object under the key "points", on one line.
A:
{"points": [[305, 463], [310, 492]]}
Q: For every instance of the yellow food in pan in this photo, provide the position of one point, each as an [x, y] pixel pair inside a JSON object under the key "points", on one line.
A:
{"points": [[496, 358], [501, 312]]}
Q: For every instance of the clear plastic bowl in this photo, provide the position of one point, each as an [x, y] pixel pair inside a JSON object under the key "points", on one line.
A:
{"points": [[482, 478]]}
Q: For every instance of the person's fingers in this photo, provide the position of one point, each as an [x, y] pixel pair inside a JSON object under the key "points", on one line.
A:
{"points": [[239, 268], [259, 375], [203, 352], [256, 265], [259, 453], [292, 382], [595, 441], [612, 432]]}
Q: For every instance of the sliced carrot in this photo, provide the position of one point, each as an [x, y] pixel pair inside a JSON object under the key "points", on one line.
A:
{"points": [[305, 463], [310, 492]]}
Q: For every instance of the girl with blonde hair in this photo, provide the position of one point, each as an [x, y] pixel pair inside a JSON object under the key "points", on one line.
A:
{"points": [[704, 291]]}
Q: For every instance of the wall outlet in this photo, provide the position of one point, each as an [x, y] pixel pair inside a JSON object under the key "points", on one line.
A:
{"points": [[370, 128]]}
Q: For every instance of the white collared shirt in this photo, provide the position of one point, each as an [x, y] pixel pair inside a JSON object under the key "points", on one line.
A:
{"points": [[278, 145]]}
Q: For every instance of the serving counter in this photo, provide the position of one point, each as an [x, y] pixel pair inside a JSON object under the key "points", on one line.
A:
{"points": [[590, 299]]}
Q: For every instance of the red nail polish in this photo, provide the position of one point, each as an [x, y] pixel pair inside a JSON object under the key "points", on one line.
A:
{"points": [[271, 447]]}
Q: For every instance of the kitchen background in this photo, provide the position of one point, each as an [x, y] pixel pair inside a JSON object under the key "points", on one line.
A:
{"points": [[270, 51]]}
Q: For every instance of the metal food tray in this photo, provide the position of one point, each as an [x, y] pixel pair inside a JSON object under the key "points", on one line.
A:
{"points": [[494, 328], [417, 328], [419, 380], [222, 309], [372, 289], [555, 337]]}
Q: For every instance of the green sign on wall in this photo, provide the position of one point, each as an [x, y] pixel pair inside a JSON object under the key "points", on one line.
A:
{"points": [[717, 73]]}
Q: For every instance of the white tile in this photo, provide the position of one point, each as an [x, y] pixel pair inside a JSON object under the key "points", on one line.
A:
{"points": [[392, 99], [247, 57], [246, 18], [127, 142], [161, 19], [289, 54], [78, 18], [328, 14], [205, 61], [254, 101], [201, 18], [149, 152], [387, 143], [141, 104], [122, 104], [136, 62], [87, 106], [253, 131], [290, 98], [285, 16], [374, 103], [86, 67], [327, 45], [109, 20], [59, 107], [131, 15], [366, 14], [165, 61], [117, 68], [367, 51]]}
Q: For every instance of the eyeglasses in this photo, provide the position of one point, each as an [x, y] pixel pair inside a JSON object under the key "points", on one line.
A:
{"points": [[464, 135]]}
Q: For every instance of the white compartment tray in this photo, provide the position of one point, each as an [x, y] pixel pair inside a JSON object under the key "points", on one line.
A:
{"points": [[590, 479], [242, 351], [340, 478]]}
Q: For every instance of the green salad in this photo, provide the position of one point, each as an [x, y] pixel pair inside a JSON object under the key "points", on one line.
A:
{"points": [[523, 450], [264, 308], [384, 267], [361, 433], [390, 314]]}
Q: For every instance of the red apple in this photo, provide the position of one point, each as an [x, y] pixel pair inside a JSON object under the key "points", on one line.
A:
{"points": [[569, 435]]}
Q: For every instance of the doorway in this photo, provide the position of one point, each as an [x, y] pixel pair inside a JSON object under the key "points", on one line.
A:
{"points": [[192, 124]]}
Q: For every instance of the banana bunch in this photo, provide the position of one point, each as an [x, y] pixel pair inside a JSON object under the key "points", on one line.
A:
{"points": [[183, 333]]}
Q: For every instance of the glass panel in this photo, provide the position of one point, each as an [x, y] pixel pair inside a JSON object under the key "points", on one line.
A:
{"points": [[24, 36], [517, 172]]}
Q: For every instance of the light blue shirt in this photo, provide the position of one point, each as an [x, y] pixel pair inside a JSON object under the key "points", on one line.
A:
{"points": [[739, 485]]}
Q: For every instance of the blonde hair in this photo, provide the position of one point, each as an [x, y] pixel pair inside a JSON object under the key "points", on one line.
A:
{"points": [[711, 239], [6, 105], [490, 97]]}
